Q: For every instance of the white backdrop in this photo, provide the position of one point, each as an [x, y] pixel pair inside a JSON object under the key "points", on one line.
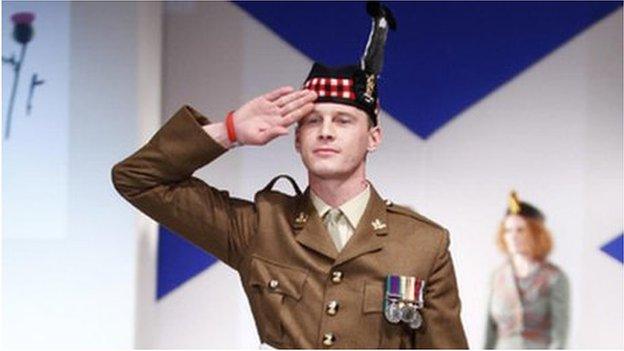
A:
{"points": [[74, 287]]}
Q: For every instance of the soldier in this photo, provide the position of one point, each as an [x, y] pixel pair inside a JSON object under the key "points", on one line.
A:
{"points": [[331, 267]]}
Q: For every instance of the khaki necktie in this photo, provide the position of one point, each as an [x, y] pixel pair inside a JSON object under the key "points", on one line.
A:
{"points": [[331, 220]]}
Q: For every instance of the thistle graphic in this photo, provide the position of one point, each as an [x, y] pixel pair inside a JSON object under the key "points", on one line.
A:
{"points": [[22, 33]]}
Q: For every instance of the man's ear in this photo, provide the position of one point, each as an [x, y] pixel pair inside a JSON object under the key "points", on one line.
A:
{"points": [[374, 138]]}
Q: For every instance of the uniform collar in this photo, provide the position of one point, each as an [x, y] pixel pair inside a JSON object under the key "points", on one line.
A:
{"points": [[353, 209], [368, 235]]}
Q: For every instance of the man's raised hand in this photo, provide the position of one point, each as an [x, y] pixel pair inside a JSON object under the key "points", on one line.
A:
{"points": [[268, 116], [264, 118]]}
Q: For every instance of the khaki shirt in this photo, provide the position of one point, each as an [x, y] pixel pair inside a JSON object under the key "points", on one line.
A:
{"points": [[352, 211], [288, 265]]}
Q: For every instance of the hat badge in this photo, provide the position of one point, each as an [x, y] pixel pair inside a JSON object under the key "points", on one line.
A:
{"points": [[514, 202]]}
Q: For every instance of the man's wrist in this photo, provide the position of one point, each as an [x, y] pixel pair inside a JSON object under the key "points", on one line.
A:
{"points": [[218, 132]]}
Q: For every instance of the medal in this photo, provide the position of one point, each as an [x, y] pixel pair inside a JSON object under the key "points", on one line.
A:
{"points": [[415, 292], [403, 298], [417, 322], [409, 309], [392, 298], [393, 312], [408, 313]]}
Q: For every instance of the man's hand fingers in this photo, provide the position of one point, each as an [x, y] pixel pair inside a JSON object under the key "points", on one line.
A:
{"points": [[286, 99], [277, 93], [305, 98], [283, 100], [297, 114]]}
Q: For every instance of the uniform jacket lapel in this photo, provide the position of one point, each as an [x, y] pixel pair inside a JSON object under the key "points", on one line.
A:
{"points": [[370, 233], [309, 229], [368, 236]]}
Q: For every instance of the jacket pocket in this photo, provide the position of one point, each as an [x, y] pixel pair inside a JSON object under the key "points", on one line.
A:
{"points": [[373, 298], [275, 290]]}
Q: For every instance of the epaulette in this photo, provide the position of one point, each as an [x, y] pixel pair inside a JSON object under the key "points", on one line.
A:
{"points": [[406, 211]]}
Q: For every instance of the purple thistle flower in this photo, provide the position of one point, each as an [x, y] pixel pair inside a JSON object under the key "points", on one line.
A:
{"points": [[23, 18], [23, 30]]}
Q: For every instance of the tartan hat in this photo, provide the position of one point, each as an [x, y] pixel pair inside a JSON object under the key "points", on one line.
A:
{"points": [[521, 208], [356, 85], [344, 85]]}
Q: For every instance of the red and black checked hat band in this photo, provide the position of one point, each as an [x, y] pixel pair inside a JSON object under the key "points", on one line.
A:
{"points": [[347, 85]]}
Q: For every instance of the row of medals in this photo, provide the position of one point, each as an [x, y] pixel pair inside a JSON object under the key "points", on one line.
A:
{"points": [[403, 311]]}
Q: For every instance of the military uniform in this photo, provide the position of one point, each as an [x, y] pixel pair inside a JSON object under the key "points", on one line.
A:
{"points": [[303, 292]]}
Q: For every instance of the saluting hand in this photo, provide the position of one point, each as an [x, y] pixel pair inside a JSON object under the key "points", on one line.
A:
{"points": [[268, 116]]}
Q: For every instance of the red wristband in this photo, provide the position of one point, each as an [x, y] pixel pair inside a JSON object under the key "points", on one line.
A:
{"points": [[229, 125]]}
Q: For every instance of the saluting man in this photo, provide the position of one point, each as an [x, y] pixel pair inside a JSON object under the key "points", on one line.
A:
{"points": [[334, 266]]}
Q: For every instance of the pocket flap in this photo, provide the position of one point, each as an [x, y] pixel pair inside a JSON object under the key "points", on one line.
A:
{"points": [[373, 297], [277, 277]]}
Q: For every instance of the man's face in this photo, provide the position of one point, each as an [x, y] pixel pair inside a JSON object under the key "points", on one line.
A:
{"points": [[333, 140]]}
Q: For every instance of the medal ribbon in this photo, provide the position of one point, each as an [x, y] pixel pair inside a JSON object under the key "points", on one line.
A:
{"points": [[403, 291], [419, 289], [393, 286], [409, 289], [393, 289]]}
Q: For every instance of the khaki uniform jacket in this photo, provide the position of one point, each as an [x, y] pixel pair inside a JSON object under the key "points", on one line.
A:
{"points": [[288, 265]]}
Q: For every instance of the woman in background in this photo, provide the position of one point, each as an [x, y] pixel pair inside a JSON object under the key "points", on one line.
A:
{"points": [[529, 296]]}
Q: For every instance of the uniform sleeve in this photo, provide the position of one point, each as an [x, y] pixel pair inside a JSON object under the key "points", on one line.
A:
{"points": [[442, 327], [559, 307], [158, 180]]}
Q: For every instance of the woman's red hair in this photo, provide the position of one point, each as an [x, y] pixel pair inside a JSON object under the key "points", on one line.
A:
{"points": [[540, 240]]}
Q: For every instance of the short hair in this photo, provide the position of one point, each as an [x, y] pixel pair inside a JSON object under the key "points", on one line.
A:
{"points": [[540, 239]]}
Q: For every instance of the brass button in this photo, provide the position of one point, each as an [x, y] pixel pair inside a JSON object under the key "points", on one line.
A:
{"points": [[329, 339], [332, 308], [273, 284], [336, 277]]}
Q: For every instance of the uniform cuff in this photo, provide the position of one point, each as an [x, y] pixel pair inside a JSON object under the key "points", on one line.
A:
{"points": [[185, 142]]}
